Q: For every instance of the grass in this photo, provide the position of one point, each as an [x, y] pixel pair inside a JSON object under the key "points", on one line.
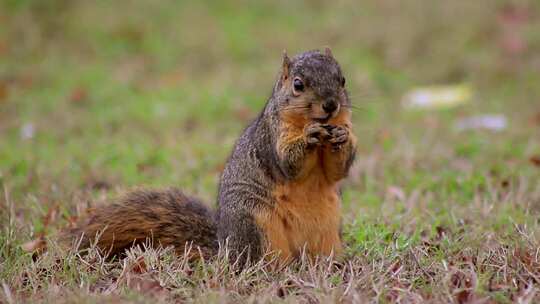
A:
{"points": [[99, 97]]}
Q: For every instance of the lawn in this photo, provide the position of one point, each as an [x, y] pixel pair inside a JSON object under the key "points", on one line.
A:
{"points": [[99, 97]]}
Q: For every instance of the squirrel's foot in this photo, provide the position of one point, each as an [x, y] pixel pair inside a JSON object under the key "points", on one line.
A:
{"points": [[316, 134], [338, 137]]}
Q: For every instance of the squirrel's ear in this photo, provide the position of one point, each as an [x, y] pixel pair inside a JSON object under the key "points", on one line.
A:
{"points": [[286, 65], [328, 52]]}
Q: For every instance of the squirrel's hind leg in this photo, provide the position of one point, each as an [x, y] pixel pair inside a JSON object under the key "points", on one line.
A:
{"points": [[239, 234]]}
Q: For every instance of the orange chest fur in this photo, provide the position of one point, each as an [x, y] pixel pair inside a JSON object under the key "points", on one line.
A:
{"points": [[306, 211], [306, 216], [309, 211]]}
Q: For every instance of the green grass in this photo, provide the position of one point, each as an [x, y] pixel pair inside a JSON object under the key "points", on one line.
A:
{"points": [[139, 93]]}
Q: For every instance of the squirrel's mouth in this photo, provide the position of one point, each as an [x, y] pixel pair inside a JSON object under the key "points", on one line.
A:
{"points": [[322, 119]]}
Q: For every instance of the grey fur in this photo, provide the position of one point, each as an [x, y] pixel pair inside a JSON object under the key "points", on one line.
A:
{"points": [[254, 168]]}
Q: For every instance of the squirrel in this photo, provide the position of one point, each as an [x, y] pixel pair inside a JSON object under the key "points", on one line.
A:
{"points": [[279, 191]]}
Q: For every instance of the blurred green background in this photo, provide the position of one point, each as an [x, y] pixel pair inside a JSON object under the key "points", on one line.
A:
{"points": [[97, 96], [100, 96]]}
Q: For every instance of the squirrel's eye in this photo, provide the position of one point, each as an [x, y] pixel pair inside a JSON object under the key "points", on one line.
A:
{"points": [[298, 85], [342, 81]]}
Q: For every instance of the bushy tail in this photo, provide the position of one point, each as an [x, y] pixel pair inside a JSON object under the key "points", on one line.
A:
{"points": [[165, 217]]}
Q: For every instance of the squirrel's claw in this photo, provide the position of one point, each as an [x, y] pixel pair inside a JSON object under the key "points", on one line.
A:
{"points": [[316, 134], [340, 135]]}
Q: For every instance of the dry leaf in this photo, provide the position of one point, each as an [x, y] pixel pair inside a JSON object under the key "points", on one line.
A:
{"points": [[3, 91], [145, 285], [514, 14], [462, 285], [488, 122], [441, 232], [50, 217], [396, 192], [281, 292], [535, 160], [527, 294], [78, 95], [38, 245], [27, 131], [437, 97], [171, 79], [3, 47], [72, 221], [190, 124], [7, 293], [139, 266], [511, 19], [243, 113], [535, 120], [95, 182]]}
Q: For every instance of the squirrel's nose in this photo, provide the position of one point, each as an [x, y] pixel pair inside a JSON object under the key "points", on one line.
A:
{"points": [[329, 106]]}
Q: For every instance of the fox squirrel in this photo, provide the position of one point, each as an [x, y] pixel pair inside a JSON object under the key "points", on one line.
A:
{"points": [[279, 190]]}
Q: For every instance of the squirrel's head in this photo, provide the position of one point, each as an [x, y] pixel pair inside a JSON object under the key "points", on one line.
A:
{"points": [[312, 87]]}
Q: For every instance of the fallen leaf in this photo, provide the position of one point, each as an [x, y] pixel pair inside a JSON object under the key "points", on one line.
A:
{"points": [[24, 81], [281, 292], [72, 221], [243, 113], [37, 246], [171, 79], [219, 167], [3, 47], [392, 295], [535, 160], [139, 266], [3, 91], [384, 135], [50, 217], [535, 120], [442, 232], [78, 95], [7, 293], [190, 124], [396, 192], [437, 97], [464, 296], [145, 167], [513, 44], [462, 286], [511, 19], [27, 131], [145, 285], [396, 267], [527, 294], [95, 182], [488, 122], [513, 14]]}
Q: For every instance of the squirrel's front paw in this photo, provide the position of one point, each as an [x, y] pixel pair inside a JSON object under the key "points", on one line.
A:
{"points": [[338, 137], [316, 134]]}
